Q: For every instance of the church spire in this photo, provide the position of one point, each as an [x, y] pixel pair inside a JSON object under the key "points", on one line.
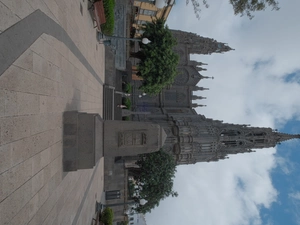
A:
{"points": [[195, 97], [195, 63], [194, 105], [201, 139], [197, 44], [200, 68], [196, 88], [285, 137], [205, 77]]}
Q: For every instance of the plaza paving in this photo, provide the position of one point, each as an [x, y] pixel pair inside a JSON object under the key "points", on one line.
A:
{"points": [[51, 63]]}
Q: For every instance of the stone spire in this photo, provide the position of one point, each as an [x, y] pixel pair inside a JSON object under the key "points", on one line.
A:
{"points": [[195, 63], [196, 88], [280, 137], [194, 105], [205, 77], [203, 140], [197, 44], [195, 97], [200, 68]]}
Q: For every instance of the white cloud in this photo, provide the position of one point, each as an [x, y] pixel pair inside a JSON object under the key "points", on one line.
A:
{"points": [[248, 88], [285, 165], [295, 195], [295, 209]]}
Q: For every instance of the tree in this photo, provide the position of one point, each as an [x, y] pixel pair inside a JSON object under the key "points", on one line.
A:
{"points": [[154, 178], [158, 62], [197, 7], [240, 7]]}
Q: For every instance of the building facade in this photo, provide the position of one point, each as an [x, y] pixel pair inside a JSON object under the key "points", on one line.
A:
{"points": [[193, 138], [146, 10]]}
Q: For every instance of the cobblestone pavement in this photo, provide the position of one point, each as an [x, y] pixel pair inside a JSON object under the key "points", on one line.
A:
{"points": [[50, 62]]}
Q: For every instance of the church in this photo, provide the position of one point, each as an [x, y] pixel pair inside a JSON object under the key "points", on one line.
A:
{"points": [[191, 137]]}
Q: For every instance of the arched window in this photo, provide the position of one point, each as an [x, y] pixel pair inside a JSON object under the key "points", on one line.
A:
{"points": [[259, 134], [230, 133]]}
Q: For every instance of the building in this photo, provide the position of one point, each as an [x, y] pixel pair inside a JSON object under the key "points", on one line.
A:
{"points": [[136, 219], [191, 137], [146, 10]]}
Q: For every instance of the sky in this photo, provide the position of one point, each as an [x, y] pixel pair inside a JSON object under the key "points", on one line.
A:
{"points": [[256, 84]]}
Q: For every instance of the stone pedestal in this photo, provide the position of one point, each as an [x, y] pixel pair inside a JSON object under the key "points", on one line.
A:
{"points": [[82, 141], [87, 138], [128, 138]]}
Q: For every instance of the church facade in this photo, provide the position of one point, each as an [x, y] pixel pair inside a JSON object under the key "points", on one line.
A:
{"points": [[191, 137]]}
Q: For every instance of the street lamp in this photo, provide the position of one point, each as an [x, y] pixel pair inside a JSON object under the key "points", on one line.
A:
{"points": [[142, 95], [106, 41], [100, 205]]}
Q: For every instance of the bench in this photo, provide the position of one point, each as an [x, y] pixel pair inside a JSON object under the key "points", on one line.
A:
{"points": [[99, 14]]}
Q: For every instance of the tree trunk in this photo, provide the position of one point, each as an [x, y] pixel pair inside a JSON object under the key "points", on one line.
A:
{"points": [[135, 172], [138, 55]]}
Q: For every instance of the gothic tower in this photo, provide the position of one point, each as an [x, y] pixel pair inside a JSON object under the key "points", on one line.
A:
{"points": [[191, 137], [194, 138], [190, 43]]}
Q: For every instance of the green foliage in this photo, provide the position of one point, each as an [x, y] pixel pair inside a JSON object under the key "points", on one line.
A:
{"points": [[240, 7], [126, 118], [154, 178], [128, 88], [109, 7], [158, 65], [107, 216], [127, 103], [130, 188], [122, 223]]}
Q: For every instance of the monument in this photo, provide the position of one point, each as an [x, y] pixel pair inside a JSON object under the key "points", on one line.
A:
{"points": [[87, 138]]}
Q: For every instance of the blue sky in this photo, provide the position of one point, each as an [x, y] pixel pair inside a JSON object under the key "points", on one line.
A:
{"points": [[256, 84], [286, 180]]}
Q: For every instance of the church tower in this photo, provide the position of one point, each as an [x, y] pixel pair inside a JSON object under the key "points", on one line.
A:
{"points": [[194, 138], [190, 137], [190, 43]]}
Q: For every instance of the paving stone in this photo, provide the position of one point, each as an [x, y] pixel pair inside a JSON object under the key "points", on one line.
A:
{"points": [[28, 103], [16, 202], [13, 178], [2, 102], [11, 102], [8, 18], [38, 182], [25, 61], [21, 8], [5, 157], [46, 80], [6, 124]]}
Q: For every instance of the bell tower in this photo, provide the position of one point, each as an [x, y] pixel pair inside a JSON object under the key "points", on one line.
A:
{"points": [[199, 139]]}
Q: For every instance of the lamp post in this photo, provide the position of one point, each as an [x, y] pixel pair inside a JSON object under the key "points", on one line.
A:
{"points": [[100, 205], [106, 39], [142, 95]]}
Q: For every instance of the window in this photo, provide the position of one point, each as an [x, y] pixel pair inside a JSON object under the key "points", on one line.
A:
{"points": [[141, 22], [147, 12], [230, 133]]}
